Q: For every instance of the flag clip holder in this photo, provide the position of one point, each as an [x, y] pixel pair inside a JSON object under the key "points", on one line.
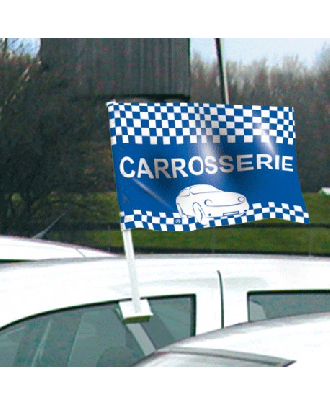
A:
{"points": [[135, 310]]}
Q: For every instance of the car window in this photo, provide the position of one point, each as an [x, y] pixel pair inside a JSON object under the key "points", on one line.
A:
{"points": [[272, 304], [95, 335], [173, 320]]}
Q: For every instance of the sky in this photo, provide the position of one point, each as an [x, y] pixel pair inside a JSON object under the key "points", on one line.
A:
{"points": [[246, 50]]}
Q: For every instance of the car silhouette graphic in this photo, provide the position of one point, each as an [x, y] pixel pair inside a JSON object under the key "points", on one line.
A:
{"points": [[206, 202]]}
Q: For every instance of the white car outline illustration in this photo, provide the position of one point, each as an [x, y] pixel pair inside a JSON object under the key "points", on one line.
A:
{"points": [[206, 202]]}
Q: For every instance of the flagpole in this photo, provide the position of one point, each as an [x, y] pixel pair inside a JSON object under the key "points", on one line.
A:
{"points": [[136, 310], [224, 93], [222, 71], [129, 252]]}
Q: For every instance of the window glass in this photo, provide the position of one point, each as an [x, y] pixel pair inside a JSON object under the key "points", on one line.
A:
{"points": [[173, 320], [95, 335], [272, 304]]}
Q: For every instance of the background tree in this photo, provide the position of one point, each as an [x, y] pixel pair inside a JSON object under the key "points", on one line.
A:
{"points": [[289, 84], [55, 150], [48, 143], [204, 81]]}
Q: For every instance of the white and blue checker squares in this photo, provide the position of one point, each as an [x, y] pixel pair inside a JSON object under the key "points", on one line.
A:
{"points": [[161, 222], [162, 149], [166, 123]]}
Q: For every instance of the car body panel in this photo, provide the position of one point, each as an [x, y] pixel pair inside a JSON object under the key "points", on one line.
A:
{"points": [[30, 249], [46, 285], [300, 340], [31, 288]]}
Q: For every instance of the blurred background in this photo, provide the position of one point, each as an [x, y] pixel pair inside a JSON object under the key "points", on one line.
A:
{"points": [[56, 164]]}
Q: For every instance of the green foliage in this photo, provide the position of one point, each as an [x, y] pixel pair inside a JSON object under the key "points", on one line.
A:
{"points": [[318, 207], [229, 239], [292, 84], [48, 144], [55, 153]]}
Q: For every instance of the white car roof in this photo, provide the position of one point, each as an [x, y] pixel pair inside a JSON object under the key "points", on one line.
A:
{"points": [[295, 338], [31, 288], [245, 273], [35, 287], [26, 249]]}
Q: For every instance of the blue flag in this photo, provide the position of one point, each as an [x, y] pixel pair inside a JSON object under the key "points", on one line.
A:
{"points": [[185, 166]]}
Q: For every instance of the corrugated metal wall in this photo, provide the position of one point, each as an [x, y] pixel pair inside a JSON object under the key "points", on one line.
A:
{"points": [[122, 67]]}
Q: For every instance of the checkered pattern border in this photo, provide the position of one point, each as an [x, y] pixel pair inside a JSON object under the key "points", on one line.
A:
{"points": [[161, 222], [167, 123]]}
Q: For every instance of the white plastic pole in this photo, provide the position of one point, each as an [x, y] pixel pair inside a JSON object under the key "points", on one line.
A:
{"points": [[129, 252]]}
